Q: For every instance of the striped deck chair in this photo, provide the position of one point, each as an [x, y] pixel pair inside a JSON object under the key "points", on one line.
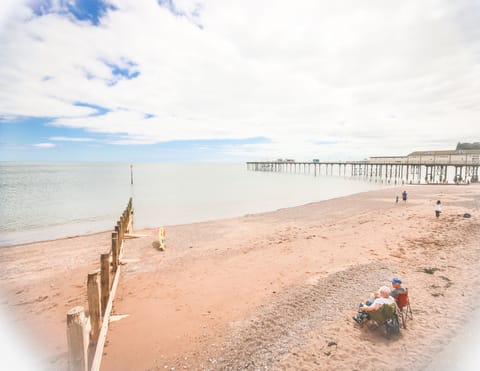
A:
{"points": [[404, 309]]}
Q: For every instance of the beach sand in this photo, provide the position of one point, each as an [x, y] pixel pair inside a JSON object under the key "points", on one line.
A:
{"points": [[274, 290]]}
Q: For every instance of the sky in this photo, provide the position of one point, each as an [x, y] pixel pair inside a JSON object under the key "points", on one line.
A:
{"points": [[217, 80]]}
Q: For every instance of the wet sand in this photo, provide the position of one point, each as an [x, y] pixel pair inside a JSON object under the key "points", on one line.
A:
{"points": [[274, 290]]}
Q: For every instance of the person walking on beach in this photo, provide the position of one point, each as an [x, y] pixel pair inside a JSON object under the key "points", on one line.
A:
{"points": [[396, 200], [404, 196], [438, 208]]}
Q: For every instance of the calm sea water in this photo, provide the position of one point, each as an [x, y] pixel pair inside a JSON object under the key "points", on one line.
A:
{"points": [[48, 200]]}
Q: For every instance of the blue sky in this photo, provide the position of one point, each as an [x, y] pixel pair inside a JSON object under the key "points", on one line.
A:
{"points": [[209, 80], [33, 139]]}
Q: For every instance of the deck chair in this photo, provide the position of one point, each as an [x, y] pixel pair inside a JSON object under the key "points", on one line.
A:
{"points": [[386, 317], [404, 309]]}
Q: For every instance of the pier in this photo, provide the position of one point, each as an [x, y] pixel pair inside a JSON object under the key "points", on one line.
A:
{"points": [[435, 167]]}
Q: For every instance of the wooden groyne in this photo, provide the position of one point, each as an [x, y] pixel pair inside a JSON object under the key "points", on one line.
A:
{"points": [[86, 335], [393, 170]]}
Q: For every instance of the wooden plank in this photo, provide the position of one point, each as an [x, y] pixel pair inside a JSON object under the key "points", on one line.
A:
{"points": [[97, 358], [118, 317], [134, 235]]}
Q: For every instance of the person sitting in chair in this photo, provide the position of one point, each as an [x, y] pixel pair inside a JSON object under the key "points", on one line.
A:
{"points": [[384, 298], [397, 287]]}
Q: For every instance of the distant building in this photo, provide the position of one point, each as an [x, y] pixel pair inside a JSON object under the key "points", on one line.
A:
{"points": [[455, 157]]}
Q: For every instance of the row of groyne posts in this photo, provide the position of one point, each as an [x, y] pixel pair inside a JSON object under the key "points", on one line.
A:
{"points": [[377, 172], [86, 335]]}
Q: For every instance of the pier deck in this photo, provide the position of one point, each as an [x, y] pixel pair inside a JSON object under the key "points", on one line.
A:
{"points": [[396, 170]]}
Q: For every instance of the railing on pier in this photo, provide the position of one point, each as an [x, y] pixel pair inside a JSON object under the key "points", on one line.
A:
{"points": [[86, 335]]}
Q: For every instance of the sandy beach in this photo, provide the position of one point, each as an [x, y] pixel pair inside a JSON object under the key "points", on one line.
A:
{"points": [[275, 290]]}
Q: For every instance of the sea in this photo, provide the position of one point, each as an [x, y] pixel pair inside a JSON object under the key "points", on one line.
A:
{"points": [[43, 201]]}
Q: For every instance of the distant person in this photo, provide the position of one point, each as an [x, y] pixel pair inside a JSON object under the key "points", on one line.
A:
{"points": [[404, 196], [383, 298], [396, 200], [438, 208], [397, 287]]}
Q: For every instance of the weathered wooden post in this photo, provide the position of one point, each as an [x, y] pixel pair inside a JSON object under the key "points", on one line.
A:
{"points": [[120, 229], [130, 221], [104, 280], [114, 251], [130, 214], [93, 294], [77, 339], [124, 220], [121, 236]]}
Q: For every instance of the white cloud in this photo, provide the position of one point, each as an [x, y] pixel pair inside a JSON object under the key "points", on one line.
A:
{"points": [[44, 145], [70, 139], [375, 78]]}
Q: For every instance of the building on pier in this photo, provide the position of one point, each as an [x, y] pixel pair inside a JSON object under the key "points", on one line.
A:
{"points": [[459, 157], [465, 162]]}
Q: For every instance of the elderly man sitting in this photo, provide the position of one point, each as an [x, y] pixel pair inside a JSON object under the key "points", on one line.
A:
{"points": [[383, 298]]}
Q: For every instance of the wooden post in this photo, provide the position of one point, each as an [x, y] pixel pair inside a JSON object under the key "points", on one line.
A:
{"points": [[121, 232], [104, 280], [93, 293], [130, 221], [122, 224], [114, 251], [131, 174], [120, 229], [77, 339]]}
